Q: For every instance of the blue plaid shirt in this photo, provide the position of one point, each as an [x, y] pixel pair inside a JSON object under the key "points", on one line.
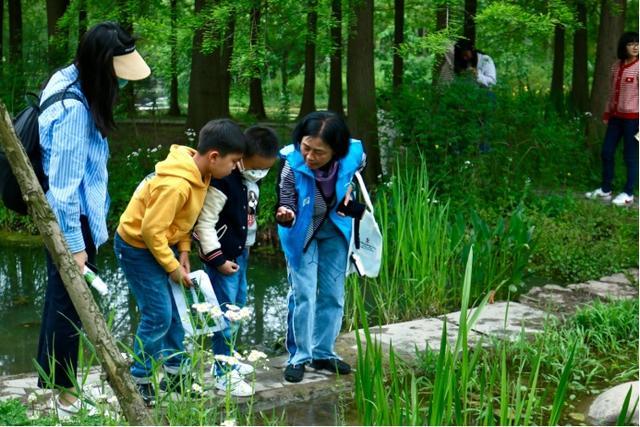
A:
{"points": [[74, 157]]}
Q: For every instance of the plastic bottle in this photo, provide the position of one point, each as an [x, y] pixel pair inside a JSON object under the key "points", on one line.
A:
{"points": [[94, 280]]}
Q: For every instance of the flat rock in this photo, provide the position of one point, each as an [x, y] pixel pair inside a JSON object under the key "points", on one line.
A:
{"points": [[611, 291], [607, 406], [556, 288], [407, 337], [618, 278], [519, 318]]}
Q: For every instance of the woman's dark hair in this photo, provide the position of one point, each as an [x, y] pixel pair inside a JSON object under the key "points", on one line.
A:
{"points": [[222, 135], [326, 125], [94, 60], [628, 37], [460, 64], [261, 141]]}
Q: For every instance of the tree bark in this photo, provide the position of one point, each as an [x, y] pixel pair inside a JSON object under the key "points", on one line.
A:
{"points": [[58, 38], [361, 89], [580, 74], [174, 107], [1, 38], [398, 39], [470, 9], [111, 360], [557, 77], [442, 22], [15, 32], [256, 100], [82, 19], [335, 68], [309, 91], [611, 27], [210, 77]]}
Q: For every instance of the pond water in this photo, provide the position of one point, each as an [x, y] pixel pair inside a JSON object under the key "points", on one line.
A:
{"points": [[23, 285]]}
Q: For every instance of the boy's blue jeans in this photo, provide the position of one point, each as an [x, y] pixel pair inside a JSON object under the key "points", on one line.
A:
{"points": [[617, 129], [316, 297], [231, 289], [160, 334]]}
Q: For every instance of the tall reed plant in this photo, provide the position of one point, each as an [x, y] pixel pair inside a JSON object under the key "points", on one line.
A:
{"points": [[462, 386]]}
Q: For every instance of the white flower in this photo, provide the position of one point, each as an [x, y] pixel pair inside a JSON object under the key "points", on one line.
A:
{"points": [[467, 162], [215, 311], [233, 307], [237, 355], [202, 307], [229, 423], [101, 398], [153, 150], [113, 400], [196, 388], [229, 360], [245, 312], [32, 398], [256, 355]]}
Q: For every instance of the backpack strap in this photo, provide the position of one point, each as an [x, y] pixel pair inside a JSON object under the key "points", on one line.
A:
{"points": [[59, 96]]}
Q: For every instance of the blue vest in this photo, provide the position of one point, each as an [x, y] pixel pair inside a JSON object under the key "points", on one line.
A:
{"points": [[292, 238]]}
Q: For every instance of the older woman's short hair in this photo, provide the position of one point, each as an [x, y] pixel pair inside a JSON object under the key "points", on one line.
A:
{"points": [[329, 127]]}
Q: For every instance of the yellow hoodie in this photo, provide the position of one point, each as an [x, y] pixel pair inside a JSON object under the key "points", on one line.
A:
{"points": [[165, 207]]}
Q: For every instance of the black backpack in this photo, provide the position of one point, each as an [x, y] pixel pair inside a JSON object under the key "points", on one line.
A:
{"points": [[27, 130]]}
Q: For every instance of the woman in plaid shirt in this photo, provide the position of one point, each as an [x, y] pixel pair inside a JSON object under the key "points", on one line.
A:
{"points": [[621, 118]]}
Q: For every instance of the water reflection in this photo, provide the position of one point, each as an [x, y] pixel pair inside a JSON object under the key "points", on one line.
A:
{"points": [[23, 285]]}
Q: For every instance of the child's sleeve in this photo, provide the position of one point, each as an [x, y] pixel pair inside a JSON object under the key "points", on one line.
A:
{"points": [[164, 202], [205, 229]]}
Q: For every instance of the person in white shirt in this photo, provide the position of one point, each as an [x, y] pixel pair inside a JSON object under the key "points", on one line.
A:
{"points": [[462, 58]]}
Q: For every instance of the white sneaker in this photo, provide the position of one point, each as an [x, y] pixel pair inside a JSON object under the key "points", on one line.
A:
{"points": [[623, 199], [233, 382], [598, 194], [244, 369], [65, 412]]}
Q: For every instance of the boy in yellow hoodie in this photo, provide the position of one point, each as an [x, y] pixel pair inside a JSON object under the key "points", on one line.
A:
{"points": [[154, 228]]}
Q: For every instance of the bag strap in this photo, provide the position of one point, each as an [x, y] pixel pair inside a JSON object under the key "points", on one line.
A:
{"points": [[365, 193], [59, 96]]}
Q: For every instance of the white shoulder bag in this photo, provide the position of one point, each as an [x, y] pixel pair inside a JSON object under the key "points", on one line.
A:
{"points": [[365, 249]]}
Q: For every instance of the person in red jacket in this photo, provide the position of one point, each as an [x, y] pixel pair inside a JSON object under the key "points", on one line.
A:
{"points": [[621, 118]]}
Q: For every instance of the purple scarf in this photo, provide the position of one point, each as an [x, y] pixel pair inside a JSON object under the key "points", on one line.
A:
{"points": [[327, 180]]}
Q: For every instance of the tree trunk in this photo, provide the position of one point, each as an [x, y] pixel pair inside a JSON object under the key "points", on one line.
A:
{"points": [[111, 360], [611, 27], [210, 76], [1, 37], [557, 78], [361, 89], [174, 107], [58, 38], [309, 91], [398, 39], [15, 52], [442, 22], [580, 74], [82, 18], [470, 9], [256, 101], [335, 68], [15, 32]]}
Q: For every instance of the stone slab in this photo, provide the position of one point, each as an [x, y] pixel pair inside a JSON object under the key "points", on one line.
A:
{"points": [[618, 278], [519, 317], [556, 288], [606, 290], [407, 337]]}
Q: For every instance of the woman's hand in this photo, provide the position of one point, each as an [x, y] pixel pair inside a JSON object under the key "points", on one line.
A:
{"points": [[285, 215], [346, 200]]}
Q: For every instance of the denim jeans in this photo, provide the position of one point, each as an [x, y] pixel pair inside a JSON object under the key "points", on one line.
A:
{"points": [[616, 129], [231, 289], [159, 337], [59, 339], [316, 297]]}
